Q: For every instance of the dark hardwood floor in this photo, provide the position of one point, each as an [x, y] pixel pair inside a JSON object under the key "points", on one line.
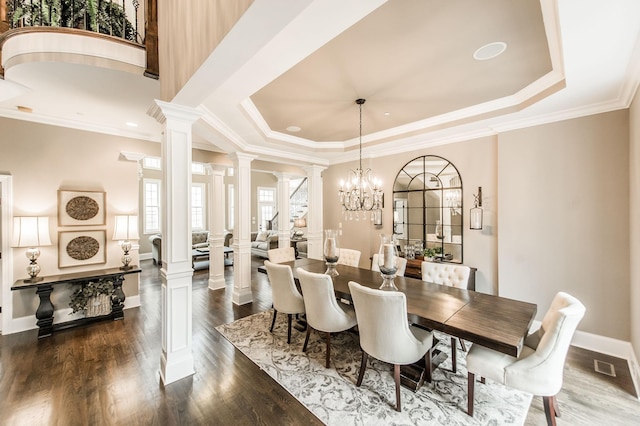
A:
{"points": [[107, 373]]}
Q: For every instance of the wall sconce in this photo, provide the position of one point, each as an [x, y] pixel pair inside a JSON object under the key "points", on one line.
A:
{"points": [[475, 221], [31, 232], [126, 229]]}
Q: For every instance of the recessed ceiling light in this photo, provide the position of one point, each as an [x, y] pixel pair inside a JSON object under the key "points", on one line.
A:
{"points": [[132, 124], [293, 129], [490, 50], [387, 113]]}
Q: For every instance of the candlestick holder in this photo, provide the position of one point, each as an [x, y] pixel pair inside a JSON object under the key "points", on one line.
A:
{"points": [[331, 252], [387, 262]]}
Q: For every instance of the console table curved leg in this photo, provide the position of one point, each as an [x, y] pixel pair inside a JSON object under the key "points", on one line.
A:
{"points": [[117, 302], [44, 313]]}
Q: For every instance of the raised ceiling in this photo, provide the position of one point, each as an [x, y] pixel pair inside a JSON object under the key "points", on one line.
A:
{"points": [[410, 59]]}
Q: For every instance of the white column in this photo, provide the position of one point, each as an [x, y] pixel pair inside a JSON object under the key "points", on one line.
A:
{"points": [[284, 212], [314, 214], [176, 360], [242, 229], [216, 207]]}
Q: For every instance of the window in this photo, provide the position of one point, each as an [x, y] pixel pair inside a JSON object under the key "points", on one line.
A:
{"points": [[198, 206], [266, 205], [151, 163], [198, 169], [151, 206], [231, 204]]}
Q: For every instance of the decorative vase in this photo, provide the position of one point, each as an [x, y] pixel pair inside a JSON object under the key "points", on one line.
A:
{"points": [[387, 262], [331, 251]]}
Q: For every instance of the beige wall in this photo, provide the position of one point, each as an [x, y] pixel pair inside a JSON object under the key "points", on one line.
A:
{"points": [[475, 160], [564, 217], [43, 159], [634, 234], [203, 21]]}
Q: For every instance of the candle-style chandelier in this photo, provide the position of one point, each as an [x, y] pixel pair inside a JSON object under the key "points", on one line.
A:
{"points": [[362, 192]]}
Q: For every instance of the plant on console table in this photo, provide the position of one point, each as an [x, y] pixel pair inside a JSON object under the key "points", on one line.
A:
{"points": [[431, 252], [93, 297]]}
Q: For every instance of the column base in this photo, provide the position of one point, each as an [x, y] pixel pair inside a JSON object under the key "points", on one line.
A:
{"points": [[242, 298], [217, 283], [175, 367]]}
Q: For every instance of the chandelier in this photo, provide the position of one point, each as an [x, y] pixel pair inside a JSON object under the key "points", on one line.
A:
{"points": [[362, 192]]}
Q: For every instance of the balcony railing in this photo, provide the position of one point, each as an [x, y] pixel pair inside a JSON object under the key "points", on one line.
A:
{"points": [[119, 18]]}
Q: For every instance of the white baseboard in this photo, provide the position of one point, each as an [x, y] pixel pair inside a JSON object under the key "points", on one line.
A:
{"points": [[145, 256], [61, 315], [612, 347]]}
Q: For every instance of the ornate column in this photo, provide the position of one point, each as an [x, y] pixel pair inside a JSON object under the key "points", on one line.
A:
{"points": [[314, 214], [284, 212], [242, 229], [176, 360], [216, 208]]}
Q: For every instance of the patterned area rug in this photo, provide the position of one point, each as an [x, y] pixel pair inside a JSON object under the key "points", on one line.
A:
{"points": [[331, 393]]}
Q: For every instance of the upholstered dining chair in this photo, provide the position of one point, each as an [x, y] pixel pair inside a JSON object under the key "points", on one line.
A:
{"points": [[401, 263], [349, 257], [323, 311], [286, 297], [282, 254], [385, 333], [538, 369], [454, 276]]}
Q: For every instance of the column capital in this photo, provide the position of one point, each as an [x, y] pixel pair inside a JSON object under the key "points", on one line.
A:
{"points": [[313, 169], [216, 169], [285, 176], [162, 111], [241, 156]]}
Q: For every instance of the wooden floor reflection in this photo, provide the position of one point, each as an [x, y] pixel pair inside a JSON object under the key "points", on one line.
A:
{"points": [[107, 373]]}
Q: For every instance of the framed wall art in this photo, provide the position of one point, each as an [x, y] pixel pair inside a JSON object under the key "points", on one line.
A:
{"points": [[78, 248], [81, 208]]}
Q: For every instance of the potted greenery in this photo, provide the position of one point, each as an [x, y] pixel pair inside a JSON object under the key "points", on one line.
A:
{"points": [[429, 253], [94, 298]]}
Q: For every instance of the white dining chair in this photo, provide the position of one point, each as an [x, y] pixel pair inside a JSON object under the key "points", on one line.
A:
{"points": [[538, 370], [453, 276], [385, 333], [285, 295], [323, 311], [281, 254], [401, 263], [349, 257]]}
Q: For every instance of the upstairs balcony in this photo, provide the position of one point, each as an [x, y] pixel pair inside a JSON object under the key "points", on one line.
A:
{"points": [[117, 33]]}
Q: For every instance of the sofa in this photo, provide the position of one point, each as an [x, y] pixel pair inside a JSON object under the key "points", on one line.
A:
{"points": [[199, 239], [262, 242]]}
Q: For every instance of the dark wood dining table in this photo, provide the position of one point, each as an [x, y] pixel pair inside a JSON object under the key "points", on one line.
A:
{"points": [[492, 321]]}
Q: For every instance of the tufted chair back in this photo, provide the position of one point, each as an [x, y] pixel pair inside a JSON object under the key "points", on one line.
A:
{"points": [[285, 295], [349, 257], [446, 273], [282, 254], [401, 263], [539, 368]]}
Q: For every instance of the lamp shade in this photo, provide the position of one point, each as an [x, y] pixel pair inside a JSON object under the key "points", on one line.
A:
{"points": [[300, 223], [126, 228], [30, 231]]}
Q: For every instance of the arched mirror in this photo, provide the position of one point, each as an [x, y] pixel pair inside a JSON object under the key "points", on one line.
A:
{"points": [[427, 207]]}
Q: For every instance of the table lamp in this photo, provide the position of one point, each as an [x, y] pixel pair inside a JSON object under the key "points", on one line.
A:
{"points": [[126, 229], [298, 223], [31, 232]]}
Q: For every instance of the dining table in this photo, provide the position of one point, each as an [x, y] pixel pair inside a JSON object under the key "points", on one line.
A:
{"points": [[496, 322]]}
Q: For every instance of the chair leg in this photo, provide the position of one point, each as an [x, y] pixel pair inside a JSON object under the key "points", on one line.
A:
{"points": [[555, 406], [549, 409], [462, 345], [396, 378], [306, 339], [273, 321], [289, 317], [363, 367], [454, 355], [328, 350], [428, 365], [471, 378]]}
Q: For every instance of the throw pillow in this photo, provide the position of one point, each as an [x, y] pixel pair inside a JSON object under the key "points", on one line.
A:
{"points": [[262, 236]]}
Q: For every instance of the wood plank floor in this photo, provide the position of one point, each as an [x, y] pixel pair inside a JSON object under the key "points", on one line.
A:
{"points": [[107, 373]]}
